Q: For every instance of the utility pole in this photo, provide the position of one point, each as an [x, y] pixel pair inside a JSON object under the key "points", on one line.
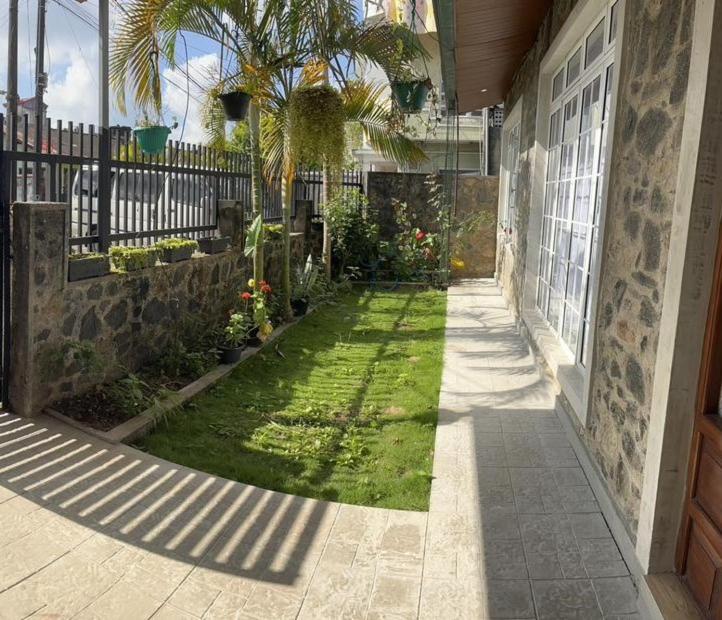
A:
{"points": [[40, 84], [104, 167], [40, 77], [12, 91]]}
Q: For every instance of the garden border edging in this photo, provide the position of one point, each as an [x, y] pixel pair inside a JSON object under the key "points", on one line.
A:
{"points": [[139, 425]]}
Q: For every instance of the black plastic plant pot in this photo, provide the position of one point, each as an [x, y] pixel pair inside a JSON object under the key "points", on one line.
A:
{"points": [[214, 245], [253, 340], [91, 267], [299, 306], [152, 139], [176, 255], [410, 96], [235, 105], [230, 355]]}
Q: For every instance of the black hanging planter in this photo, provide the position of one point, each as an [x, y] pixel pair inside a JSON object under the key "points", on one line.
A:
{"points": [[410, 96], [235, 105]]}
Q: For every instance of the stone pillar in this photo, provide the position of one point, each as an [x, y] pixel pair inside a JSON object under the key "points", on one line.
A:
{"points": [[40, 250], [302, 223], [230, 220]]}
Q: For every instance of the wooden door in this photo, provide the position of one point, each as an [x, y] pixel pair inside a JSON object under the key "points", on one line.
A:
{"points": [[699, 549]]}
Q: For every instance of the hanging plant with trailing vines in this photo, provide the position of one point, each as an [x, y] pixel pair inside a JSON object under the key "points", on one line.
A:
{"points": [[316, 120]]}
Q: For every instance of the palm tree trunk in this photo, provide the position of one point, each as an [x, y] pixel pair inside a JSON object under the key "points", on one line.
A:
{"points": [[286, 196], [326, 252], [254, 130]]}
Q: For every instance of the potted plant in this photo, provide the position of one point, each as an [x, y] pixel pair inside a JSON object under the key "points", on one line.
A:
{"points": [[235, 103], [262, 325], [301, 293], [176, 250], [133, 259], [151, 136], [234, 337], [214, 245], [317, 126], [410, 91], [84, 266]]}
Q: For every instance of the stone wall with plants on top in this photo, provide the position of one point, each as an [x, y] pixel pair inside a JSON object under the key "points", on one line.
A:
{"points": [[74, 335], [654, 67]]}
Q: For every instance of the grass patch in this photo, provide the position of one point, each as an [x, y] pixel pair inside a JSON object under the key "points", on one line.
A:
{"points": [[342, 408]]}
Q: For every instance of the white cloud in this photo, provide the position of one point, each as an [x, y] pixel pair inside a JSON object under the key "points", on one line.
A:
{"points": [[175, 98], [73, 95]]}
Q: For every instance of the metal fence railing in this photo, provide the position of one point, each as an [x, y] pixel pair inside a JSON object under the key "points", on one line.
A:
{"points": [[118, 195]]}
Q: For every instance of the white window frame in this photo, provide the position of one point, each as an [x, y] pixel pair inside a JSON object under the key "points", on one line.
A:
{"points": [[510, 137], [584, 18]]}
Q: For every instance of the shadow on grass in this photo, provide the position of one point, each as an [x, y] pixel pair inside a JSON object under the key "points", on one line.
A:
{"points": [[309, 417]]}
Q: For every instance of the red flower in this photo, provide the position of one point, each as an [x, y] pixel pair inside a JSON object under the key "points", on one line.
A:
{"points": [[265, 288], [420, 236], [246, 296]]}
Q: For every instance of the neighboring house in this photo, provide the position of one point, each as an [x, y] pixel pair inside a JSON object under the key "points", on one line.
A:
{"points": [[433, 127], [609, 249]]}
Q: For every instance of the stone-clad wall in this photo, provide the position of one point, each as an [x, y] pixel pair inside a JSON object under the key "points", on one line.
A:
{"points": [[126, 319], [643, 176], [473, 239], [473, 234], [643, 173]]}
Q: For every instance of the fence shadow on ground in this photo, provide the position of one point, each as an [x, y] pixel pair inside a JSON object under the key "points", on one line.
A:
{"points": [[157, 506]]}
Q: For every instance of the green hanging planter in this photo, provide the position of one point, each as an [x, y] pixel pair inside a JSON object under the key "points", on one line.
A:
{"points": [[410, 96], [152, 139]]}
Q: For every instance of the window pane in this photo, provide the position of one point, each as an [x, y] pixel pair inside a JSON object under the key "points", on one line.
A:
{"points": [[574, 66], [613, 22], [557, 85], [595, 44]]}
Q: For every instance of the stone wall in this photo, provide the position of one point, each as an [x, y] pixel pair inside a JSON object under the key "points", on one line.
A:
{"points": [[643, 176], [654, 67], [384, 188], [473, 236], [123, 319], [473, 243]]}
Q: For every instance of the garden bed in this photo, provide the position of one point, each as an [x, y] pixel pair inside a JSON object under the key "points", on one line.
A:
{"points": [[343, 407]]}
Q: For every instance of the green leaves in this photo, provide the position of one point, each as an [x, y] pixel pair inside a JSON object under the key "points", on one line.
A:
{"points": [[254, 230]]}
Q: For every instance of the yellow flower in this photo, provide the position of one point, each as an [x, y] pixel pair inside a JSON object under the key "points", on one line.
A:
{"points": [[457, 263], [251, 283]]}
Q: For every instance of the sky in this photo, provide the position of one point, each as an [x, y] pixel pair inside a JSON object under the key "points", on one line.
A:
{"points": [[71, 61]]}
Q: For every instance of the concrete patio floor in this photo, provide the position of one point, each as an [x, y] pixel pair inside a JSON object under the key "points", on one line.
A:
{"points": [[90, 530]]}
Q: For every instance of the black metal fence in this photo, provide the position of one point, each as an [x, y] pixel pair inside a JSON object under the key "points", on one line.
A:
{"points": [[118, 195]]}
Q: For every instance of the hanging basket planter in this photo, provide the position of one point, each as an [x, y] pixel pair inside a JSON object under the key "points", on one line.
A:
{"points": [[317, 118], [411, 96], [152, 139], [235, 104]]}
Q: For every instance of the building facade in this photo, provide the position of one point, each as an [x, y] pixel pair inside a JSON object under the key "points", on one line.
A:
{"points": [[434, 126], [610, 209]]}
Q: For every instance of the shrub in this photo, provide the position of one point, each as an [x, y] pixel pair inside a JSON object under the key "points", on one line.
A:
{"points": [[176, 243], [354, 230], [132, 259]]}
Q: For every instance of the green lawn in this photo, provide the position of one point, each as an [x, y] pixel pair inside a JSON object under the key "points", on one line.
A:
{"points": [[343, 408]]}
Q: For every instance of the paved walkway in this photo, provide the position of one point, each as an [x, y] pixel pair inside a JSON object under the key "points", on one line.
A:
{"points": [[90, 530]]}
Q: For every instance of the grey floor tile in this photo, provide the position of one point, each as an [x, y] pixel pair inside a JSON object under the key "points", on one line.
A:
{"points": [[562, 599], [569, 476], [589, 526], [544, 566], [616, 595], [509, 599], [505, 559]]}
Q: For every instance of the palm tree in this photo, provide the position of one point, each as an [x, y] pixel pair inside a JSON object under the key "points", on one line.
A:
{"points": [[149, 30], [278, 45]]}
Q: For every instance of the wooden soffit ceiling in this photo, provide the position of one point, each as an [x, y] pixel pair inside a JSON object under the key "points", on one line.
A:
{"points": [[492, 37]]}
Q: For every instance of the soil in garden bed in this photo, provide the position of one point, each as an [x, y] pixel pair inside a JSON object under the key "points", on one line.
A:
{"points": [[106, 406]]}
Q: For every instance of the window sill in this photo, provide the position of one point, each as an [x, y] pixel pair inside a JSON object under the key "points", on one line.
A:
{"points": [[569, 376]]}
